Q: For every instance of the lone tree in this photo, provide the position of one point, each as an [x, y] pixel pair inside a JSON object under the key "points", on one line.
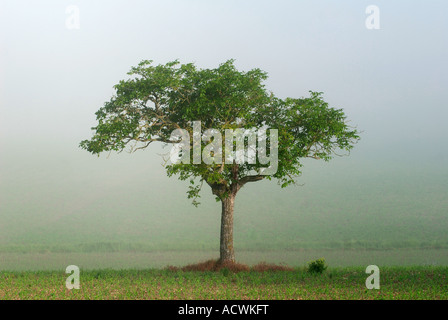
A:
{"points": [[157, 100]]}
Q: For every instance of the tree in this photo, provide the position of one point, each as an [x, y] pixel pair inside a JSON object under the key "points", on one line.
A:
{"points": [[158, 103]]}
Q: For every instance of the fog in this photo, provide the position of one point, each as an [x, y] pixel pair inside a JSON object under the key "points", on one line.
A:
{"points": [[391, 82]]}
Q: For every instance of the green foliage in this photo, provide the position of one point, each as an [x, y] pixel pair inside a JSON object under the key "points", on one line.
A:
{"points": [[159, 99], [317, 266]]}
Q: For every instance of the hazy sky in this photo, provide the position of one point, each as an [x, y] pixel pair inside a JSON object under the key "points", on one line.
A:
{"points": [[391, 82]]}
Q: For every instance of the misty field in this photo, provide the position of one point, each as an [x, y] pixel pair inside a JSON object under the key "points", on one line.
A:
{"points": [[370, 207], [336, 283]]}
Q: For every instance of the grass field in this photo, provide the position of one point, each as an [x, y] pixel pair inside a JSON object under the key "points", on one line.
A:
{"points": [[335, 283]]}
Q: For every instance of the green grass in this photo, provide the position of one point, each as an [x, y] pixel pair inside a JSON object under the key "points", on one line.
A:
{"points": [[428, 283]]}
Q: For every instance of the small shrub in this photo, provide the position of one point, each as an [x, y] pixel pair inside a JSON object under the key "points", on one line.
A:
{"points": [[317, 266]]}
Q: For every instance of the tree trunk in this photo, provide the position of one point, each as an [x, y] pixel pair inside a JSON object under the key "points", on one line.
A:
{"points": [[227, 253]]}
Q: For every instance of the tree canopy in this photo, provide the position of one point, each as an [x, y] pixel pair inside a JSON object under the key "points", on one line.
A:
{"points": [[156, 100]]}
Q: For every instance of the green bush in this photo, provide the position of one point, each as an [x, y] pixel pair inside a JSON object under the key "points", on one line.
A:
{"points": [[317, 266]]}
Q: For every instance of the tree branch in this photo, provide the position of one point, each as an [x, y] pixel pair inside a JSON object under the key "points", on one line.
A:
{"points": [[247, 179]]}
